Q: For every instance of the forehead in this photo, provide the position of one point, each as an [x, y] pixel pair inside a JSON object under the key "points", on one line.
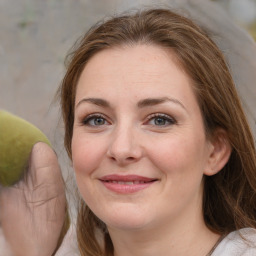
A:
{"points": [[140, 56], [137, 71]]}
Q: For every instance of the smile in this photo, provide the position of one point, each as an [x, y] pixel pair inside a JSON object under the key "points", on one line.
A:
{"points": [[126, 184]]}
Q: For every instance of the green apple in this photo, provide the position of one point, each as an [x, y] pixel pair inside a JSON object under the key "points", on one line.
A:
{"points": [[17, 138]]}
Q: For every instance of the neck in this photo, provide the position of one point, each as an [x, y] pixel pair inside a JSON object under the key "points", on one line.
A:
{"points": [[193, 239]]}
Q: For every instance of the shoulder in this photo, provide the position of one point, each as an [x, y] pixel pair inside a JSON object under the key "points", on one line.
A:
{"points": [[238, 243]]}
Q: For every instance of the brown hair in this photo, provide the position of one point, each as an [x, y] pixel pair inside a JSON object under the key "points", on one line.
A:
{"points": [[229, 201]]}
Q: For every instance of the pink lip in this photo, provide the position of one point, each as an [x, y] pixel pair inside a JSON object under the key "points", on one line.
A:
{"points": [[126, 184]]}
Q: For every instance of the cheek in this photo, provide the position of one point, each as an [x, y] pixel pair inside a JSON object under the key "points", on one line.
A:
{"points": [[182, 163], [86, 155], [179, 155]]}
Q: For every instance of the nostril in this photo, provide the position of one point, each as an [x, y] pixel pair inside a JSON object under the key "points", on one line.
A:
{"points": [[124, 154], [130, 158], [112, 158]]}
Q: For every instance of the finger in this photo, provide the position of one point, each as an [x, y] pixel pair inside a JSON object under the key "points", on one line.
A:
{"points": [[36, 208]]}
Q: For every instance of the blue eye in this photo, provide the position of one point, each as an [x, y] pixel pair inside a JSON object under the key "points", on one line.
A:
{"points": [[94, 120], [161, 120]]}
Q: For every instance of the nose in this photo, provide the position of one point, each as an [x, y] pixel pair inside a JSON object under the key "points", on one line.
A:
{"points": [[124, 147]]}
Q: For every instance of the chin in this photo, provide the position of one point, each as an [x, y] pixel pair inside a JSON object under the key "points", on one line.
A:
{"points": [[127, 224], [125, 219]]}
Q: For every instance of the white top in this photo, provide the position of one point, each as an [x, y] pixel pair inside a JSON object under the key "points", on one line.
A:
{"points": [[234, 245], [231, 245], [69, 245]]}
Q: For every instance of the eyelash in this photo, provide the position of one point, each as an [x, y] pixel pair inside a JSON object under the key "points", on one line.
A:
{"points": [[164, 117], [91, 117]]}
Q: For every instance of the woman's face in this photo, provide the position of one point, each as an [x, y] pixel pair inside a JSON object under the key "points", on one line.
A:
{"points": [[139, 147]]}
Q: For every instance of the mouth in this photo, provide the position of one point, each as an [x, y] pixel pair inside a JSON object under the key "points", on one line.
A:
{"points": [[126, 184]]}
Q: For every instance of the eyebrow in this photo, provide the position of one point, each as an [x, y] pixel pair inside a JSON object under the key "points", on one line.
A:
{"points": [[141, 104], [156, 101], [95, 101]]}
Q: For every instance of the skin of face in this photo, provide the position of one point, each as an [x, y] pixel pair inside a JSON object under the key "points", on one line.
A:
{"points": [[136, 114]]}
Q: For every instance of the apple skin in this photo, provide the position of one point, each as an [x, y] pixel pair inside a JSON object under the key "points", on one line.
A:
{"points": [[17, 138]]}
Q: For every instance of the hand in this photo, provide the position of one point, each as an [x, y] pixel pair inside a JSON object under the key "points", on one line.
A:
{"points": [[32, 212]]}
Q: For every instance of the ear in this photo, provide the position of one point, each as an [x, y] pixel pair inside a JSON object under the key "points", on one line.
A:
{"points": [[220, 151]]}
